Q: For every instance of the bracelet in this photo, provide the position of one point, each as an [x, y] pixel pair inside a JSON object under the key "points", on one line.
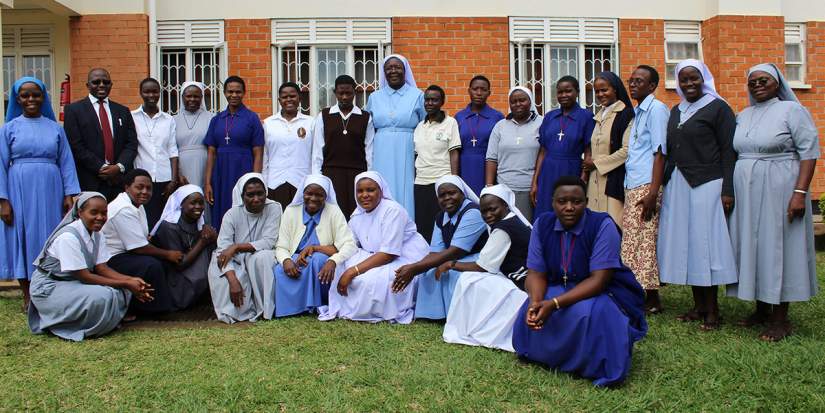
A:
{"points": [[799, 191], [556, 302], [357, 271]]}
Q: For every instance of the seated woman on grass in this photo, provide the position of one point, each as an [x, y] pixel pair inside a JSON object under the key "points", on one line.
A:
{"points": [[490, 292], [458, 235], [240, 274], [386, 239], [585, 308], [314, 240], [181, 228], [74, 294], [127, 238]]}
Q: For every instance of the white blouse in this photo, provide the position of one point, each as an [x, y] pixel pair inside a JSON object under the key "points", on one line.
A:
{"points": [[157, 144], [67, 249], [287, 149]]}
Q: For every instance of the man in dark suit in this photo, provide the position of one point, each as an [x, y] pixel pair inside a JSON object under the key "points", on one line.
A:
{"points": [[102, 136]]}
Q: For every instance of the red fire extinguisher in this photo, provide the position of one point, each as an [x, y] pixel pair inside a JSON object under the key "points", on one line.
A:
{"points": [[65, 94]]}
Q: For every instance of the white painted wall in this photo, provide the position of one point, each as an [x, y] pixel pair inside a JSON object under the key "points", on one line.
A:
{"points": [[796, 10]]}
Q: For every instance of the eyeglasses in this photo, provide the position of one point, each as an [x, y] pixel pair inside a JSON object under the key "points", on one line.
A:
{"points": [[98, 82], [762, 81]]}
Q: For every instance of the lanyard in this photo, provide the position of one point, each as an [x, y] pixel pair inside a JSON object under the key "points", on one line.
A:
{"points": [[227, 125], [565, 263]]}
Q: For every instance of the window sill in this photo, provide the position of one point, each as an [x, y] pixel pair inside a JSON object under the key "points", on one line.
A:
{"points": [[801, 86]]}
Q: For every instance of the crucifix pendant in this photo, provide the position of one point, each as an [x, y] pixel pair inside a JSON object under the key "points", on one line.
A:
{"points": [[345, 132], [226, 139], [564, 279], [561, 135], [474, 141]]}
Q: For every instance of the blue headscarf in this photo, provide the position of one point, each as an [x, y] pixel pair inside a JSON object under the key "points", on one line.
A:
{"points": [[14, 110]]}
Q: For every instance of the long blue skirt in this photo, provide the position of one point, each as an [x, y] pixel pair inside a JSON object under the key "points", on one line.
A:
{"points": [[230, 164], [433, 298], [302, 294], [591, 339], [553, 167], [393, 157]]}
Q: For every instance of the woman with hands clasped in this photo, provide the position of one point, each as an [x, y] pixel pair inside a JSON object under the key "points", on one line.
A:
{"points": [[74, 293], [585, 308], [314, 240], [386, 239]]}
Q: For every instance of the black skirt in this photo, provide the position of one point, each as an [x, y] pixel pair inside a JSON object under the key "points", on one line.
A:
{"points": [[426, 208]]}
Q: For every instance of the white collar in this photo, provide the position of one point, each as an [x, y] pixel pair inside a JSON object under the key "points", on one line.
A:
{"points": [[81, 229], [277, 116], [159, 115], [94, 99], [335, 109]]}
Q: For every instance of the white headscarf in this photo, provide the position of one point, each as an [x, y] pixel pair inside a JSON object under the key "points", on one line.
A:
{"points": [[408, 74], [784, 93], [507, 195], [457, 181], [386, 193], [172, 209], [237, 190], [708, 86], [71, 216], [529, 95], [320, 180], [183, 87]]}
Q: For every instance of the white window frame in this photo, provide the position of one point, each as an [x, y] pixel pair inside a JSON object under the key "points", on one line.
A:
{"points": [[681, 31], [795, 33], [314, 34], [18, 52], [529, 33], [193, 36]]}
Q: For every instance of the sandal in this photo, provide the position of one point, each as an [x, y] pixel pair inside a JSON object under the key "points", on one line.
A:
{"points": [[691, 315], [653, 310], [711, 325], [776, 331]]}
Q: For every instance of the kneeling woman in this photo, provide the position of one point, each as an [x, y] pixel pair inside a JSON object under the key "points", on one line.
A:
{"points": [[313, 241], [387, 239], [489, 293], [586, 308], [181, 228], [74, 294], [127, 237], [458, 235], [240, 274]]}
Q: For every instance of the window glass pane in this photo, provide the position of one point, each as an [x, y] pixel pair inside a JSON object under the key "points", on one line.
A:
{"points": [[9, 75], [366, 73], [564, 61], [670, 71], [330, 63], [793, 73], [793, 52], [172, 75], [531, 66], [39, 67], [295, 68], [682, 51], [206, 69], [596, 60]]}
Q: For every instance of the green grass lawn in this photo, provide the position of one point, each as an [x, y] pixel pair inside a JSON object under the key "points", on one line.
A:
{"points": [[300, 364]]}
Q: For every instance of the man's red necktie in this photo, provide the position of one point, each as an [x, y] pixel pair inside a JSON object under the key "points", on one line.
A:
{"points": [[108, 142]]}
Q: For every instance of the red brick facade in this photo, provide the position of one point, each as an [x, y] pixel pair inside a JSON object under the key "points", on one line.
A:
{"points": [[250, 57], [812, 98], [449, 51], [642, 41], [119, 43]]}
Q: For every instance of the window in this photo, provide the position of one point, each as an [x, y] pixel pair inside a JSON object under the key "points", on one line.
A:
{"points": [[683, 40], [795, 53], [191, 51], [27, 51], [312, 53], [545, 49]]}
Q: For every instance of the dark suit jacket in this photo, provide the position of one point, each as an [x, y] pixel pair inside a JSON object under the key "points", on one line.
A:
{"points": [[86, 139]]}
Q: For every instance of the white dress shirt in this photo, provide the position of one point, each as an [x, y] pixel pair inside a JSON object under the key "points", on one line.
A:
{"points": [[156, 144], [66, 248], [127, 229], [96, 105], [318, 137], [287, 156]]}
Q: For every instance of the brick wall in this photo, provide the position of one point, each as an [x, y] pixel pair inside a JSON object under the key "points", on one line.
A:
{"points": [[812, 98], [118, 43], [449, 51], [642, 41], [732, 44], [250, 57]]}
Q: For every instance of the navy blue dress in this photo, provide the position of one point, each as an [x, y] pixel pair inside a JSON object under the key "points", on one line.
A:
{"points": [[475, 129], [592, 338]]}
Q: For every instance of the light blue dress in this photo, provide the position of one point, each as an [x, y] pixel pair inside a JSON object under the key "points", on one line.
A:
{"points": [[434, 296], [395, 114], [305, 293], [37, 172]]}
